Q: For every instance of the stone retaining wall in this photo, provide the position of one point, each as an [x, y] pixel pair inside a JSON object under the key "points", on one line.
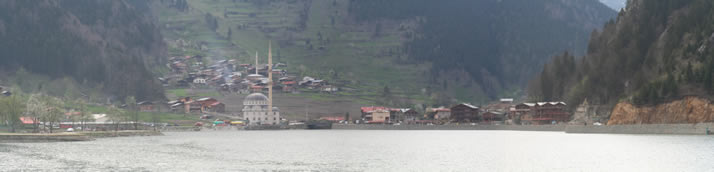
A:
{"points": [[101, 134], [685, 129], [34, 138], [68, 137], [450, 127], [697, 129]]}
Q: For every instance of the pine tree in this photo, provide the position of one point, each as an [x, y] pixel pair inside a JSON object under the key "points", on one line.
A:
{"points": [[688, 73], [708, 79]]}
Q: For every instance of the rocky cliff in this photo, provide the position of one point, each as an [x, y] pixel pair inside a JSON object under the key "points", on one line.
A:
{"points": [[687, 110]]}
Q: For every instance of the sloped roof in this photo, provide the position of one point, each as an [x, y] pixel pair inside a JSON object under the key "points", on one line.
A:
{"points": [[550, 103], [372, 108], [467, 105]]}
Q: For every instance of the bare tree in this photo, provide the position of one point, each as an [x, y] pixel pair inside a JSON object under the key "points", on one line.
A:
{"points": [[35, 109], [132, 110], [116, 115], [83, 113], [53, 111], [10, 110]]}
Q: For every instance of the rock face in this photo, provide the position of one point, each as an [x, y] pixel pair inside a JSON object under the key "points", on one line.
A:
{"points": [[687, 110]]}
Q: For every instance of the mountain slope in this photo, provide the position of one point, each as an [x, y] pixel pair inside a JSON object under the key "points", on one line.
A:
{"points": [[367, 46], [497, 44], [109, 43], [656, 51]]}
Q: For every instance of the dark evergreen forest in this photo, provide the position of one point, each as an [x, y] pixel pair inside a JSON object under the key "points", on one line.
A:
{"points": [[109, 43], [654, 52]]}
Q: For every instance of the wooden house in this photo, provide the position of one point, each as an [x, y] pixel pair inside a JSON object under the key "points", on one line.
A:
{"points": [[493, 116], [464, 113], [545, 113], [146, 106]]}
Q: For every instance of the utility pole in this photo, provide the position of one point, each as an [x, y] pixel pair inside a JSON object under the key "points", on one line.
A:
{"points": [[306, 117]]}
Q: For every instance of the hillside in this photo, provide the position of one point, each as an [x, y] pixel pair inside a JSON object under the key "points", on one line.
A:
{"points": [[654, 53], [365, 49], [102, 44]]}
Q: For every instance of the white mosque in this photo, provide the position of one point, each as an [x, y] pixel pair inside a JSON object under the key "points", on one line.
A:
{"points": [[257, 108], [256, 112]]}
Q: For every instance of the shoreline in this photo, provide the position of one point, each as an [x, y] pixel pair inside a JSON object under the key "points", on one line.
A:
{"points": [[663, 129], [71, 137]]}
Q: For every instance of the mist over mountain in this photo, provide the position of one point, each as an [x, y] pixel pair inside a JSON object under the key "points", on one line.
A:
{"points": [[109, 44]]}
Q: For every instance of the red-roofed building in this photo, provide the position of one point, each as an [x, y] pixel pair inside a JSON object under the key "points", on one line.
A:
{"points": [[438, 113], [216, 107], [289, 83], [375, 114], [27, 120]]}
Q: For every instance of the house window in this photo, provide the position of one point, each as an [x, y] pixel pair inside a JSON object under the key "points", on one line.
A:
{"points": [[274, 118]]}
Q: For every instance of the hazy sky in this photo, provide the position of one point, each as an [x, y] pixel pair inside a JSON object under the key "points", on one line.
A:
{"points": [[614, 4]]}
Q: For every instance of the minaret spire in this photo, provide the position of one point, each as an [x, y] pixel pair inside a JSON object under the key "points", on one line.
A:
{"points": [[256, 62], [270, 79]]}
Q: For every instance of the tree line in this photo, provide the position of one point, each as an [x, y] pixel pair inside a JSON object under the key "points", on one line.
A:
{"points": [[46, 112]]}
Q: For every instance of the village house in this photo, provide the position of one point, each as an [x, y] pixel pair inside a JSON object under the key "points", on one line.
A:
{"points": [[280, 72], [375, 114], [501, 106], [193, 107], [493, 117], [199, 81], [146, 106], [464, 113], [328, 89], [437, 113], [175, 105], [289, 86], [544, 113], [216, 107], [403, 115], [211, 105], [518, 111]]}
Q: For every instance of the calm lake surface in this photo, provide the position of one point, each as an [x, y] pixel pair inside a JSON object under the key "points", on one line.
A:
{"points": [[368, 150]]}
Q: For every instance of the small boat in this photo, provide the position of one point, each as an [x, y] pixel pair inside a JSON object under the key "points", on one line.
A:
{"points": [[319, 124]]}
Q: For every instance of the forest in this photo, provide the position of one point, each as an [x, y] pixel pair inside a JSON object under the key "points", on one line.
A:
{"points": [[652, 53], [107, 44]]}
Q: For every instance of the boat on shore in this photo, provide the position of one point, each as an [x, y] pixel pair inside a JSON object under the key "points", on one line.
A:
{"points": [[319, 124]]}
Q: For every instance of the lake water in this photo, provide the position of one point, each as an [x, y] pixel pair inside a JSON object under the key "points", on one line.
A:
{"points": [[368, 150]]}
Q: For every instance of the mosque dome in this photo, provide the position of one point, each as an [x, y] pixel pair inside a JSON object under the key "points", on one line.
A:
{"points": [[256, 99]]}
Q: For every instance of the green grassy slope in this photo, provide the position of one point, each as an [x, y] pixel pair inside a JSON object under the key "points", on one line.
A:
{"points": [[348, 55]]}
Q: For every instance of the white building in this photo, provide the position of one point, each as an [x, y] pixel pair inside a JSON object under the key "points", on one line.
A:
{"points": [[255, 110], [199, 81]]}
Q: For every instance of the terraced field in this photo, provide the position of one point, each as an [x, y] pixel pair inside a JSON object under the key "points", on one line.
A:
{"points": [[315, 38]]}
